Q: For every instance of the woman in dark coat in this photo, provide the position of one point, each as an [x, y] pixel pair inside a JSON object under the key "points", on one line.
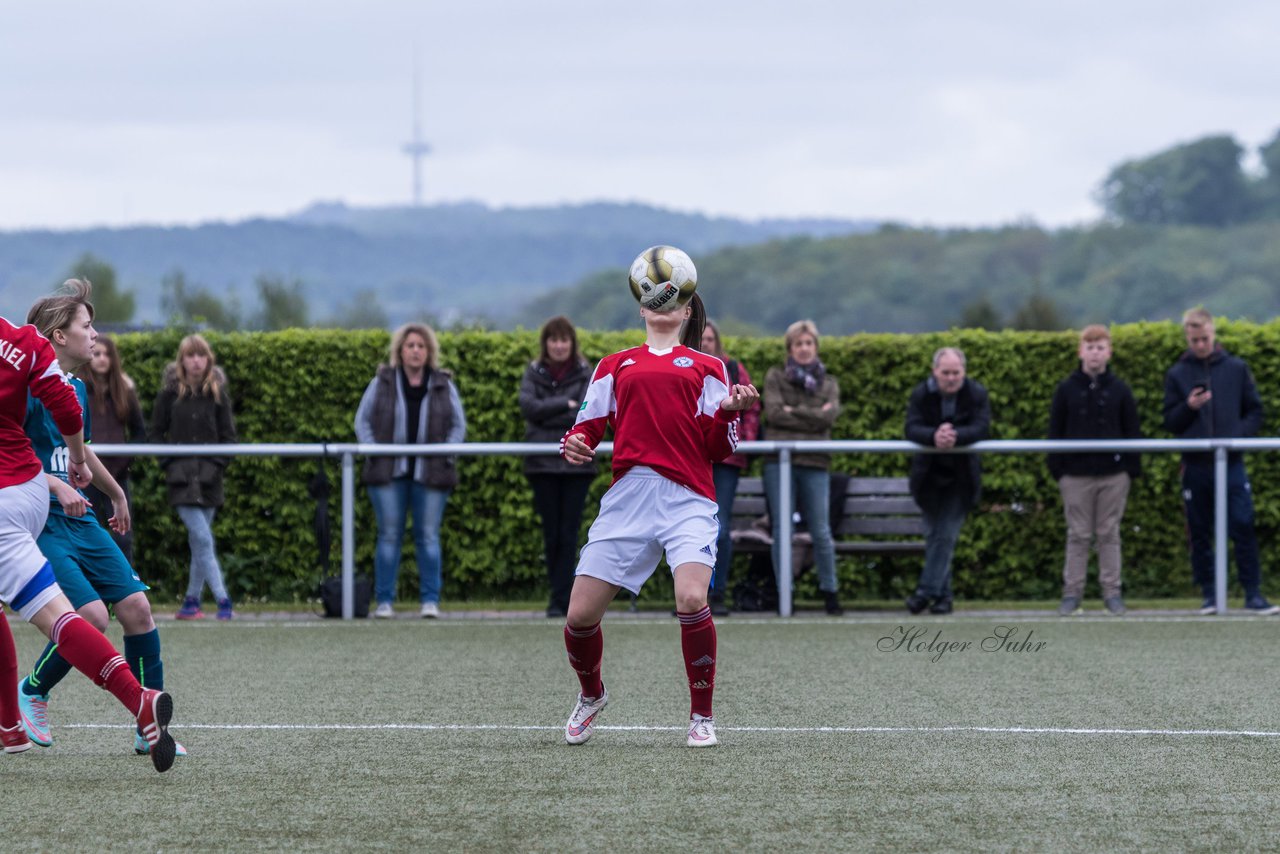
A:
{"points": [[117, 419], [193, 408], [550, 394]]}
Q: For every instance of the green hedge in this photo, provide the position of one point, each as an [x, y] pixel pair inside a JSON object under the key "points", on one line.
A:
{"points": [[304, 386]]}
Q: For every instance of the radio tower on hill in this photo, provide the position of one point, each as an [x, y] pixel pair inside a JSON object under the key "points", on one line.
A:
{"points": [[416, 148]]}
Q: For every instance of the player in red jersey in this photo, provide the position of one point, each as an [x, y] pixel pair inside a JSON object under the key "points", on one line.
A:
{"points": [[28, 366], [673, 415]]}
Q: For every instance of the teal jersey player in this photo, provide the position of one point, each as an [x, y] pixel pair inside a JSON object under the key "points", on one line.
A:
{"points": [[90, 569], [47, 442]]}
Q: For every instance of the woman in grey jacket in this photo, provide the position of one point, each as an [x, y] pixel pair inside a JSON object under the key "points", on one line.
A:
{"points": [[550, 394], [410, 401], [193, 408]]}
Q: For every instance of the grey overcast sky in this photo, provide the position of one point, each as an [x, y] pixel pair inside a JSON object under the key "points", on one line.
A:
{"points": [[938, 113]]}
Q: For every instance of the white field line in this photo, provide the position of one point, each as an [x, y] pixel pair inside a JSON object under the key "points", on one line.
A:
{"points": [[837, 730], [620, 621]]}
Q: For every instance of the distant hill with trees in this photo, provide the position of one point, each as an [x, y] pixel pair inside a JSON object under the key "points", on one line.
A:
{"points": [[369, 266], [1187, 225]]}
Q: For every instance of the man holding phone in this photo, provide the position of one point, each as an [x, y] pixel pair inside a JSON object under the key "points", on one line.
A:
{"points": [[1211, 394]]}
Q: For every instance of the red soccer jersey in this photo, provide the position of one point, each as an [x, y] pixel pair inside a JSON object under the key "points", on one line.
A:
{"points": [[28, 366], [664, 407]]}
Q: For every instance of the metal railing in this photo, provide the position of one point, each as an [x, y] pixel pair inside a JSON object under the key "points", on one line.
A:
{"points": [[347, 452]]}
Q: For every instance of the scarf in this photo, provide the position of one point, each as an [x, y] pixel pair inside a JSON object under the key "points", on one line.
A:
{"points": [[808, 376]]}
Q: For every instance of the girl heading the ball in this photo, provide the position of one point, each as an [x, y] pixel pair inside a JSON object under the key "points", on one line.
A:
{"points": [[673, 414]]}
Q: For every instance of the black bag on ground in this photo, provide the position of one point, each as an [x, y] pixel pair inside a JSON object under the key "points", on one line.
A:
{"points": [[330, 595]]}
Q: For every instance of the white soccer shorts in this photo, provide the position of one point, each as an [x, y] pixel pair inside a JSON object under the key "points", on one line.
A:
{"points": [[641, 516], [23, 510]]}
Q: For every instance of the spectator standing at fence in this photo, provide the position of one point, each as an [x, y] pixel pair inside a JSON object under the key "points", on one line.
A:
{"points": [[947, 410], [194, 408], [117, 419], [551, 392], [673, 414], [1093, 403], [1210, 394], [801, 403], [27, 584], [726, 472], [411, 400], [87, 563]]}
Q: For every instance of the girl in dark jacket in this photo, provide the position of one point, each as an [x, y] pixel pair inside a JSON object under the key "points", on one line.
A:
{"points": [[117, 419], [727, 471], [193, 408], [410, 401], [550, 394]]}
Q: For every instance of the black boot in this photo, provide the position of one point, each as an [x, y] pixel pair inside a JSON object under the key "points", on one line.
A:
{"points": [[917, 603], [832, 604], [942, 606]]}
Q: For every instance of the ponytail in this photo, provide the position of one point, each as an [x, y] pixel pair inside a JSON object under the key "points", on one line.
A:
{"points": [[691, 335]]}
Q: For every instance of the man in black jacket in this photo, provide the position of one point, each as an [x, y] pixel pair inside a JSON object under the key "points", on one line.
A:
{"points": [[1208, 394], [1093, 403], [945, 411]]}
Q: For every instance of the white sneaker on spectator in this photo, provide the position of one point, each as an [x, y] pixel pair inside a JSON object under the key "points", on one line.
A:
{"points": [[702, 732], [384, 611], [430, 610]]}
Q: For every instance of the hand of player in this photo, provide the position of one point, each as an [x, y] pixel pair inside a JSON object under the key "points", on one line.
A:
{"points": [[577, 451], [740, 397], [73, 503], [121, 521], [79, 473]]}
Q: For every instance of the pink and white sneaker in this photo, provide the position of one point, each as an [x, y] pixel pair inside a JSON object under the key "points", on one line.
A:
{"points": [[582, 722], [702, 732]]}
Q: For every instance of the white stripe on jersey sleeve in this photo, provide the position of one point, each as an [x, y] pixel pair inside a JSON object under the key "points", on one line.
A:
{"points": [[599, 401], [714, 390], [53, 371]]}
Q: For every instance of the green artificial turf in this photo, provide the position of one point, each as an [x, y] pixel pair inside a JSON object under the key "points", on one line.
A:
{"points": [[446, 736]]}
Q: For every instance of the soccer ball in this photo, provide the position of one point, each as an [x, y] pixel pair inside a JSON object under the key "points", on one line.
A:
{"points": [[663, 278]]}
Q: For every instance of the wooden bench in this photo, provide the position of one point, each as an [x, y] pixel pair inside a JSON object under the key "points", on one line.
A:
{"points": [[880, 517]]}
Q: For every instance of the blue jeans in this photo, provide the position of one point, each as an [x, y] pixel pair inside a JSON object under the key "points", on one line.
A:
{"points": [[391, 504], [204, 551], [1197, 498], [726, 481], [811, 491], [942, 523]]}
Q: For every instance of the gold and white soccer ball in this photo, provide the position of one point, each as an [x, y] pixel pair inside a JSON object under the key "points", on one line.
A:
{"points": [[663, 278]]}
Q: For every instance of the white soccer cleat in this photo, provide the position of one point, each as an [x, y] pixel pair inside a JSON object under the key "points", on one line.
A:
{"points": [[583, 720], [702, 732]]}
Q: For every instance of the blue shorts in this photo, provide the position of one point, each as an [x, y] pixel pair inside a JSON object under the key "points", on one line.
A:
{"points": [[87, 563]]}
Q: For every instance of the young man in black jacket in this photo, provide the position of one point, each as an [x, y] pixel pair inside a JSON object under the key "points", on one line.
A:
{"points": [[1093, 403], [1209, 394]]}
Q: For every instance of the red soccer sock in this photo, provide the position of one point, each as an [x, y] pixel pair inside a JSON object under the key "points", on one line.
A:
{"points": [[93, 655], [586, 649], [698, 641], [8, 676]]}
